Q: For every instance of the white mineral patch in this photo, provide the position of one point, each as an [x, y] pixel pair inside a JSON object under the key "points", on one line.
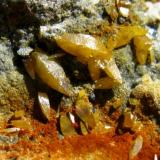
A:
{"points": [[153, 12], [45, 31], [124, 11], [91, 2]]}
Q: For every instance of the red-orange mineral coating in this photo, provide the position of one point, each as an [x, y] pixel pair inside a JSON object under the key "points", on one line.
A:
{"points": [[109, 145]]}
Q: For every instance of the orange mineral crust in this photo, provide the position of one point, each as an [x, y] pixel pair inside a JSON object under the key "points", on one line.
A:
{"points": [[45, 144]]}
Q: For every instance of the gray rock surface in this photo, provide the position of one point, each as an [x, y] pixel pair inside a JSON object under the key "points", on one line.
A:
{"points": [[6, 55], [14, 93]]}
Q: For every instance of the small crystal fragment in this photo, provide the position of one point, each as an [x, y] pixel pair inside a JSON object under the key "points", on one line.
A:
{"points": [[142, 48], [84, 109], [19, 114], [83, 128], [66, 126], [44, 104], [136, 147], [23, 124]]}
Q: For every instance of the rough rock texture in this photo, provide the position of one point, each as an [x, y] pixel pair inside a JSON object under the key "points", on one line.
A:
{"points": [[14, 91], [149, 94], [14, 94], [6, 56]]}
